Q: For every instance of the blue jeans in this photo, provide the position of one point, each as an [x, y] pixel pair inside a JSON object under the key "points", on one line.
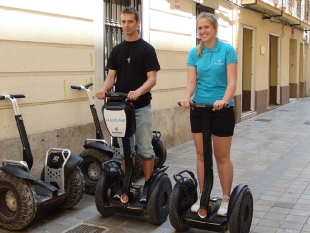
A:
{"points": [[143, 136]]}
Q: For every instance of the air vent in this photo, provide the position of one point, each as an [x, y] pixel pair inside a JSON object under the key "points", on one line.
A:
{"points": [[82, 228]]}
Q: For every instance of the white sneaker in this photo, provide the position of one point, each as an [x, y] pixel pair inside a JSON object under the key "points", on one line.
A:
{"points": [[196, 206], [224, 206]]}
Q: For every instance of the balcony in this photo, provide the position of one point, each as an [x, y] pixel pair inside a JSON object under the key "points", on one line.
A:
{"points": [[293, 13]]}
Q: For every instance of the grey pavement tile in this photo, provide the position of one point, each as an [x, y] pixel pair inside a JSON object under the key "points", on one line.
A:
{"points": [[274, 216], [286, 231], [286, 205], [263, 208], [299, 212], [288, 199], [270, 223], [306, 228], [291, 225], [279, 210], [260, 229], [296, 219]]}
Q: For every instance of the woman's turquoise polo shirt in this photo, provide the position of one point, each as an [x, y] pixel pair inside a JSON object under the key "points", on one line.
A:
{"points": [[211, 70]]}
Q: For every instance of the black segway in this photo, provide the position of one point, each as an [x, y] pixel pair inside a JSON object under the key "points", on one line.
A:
{"points": [[184, 195], [119, 117], [96, 151], [22, 197]]}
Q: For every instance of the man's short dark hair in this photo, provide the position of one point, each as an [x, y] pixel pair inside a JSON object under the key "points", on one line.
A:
{"points": [[131, 10]]}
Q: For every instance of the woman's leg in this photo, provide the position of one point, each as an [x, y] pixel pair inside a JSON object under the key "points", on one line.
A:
{"points": [[221, 148], [200, 160]]}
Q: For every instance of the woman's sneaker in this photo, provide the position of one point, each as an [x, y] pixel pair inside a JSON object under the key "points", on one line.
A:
{"points": [[224, 206], [196, 205]]}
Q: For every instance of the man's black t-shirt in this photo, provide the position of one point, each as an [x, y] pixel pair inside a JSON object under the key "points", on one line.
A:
{"points": [[132, 60]]}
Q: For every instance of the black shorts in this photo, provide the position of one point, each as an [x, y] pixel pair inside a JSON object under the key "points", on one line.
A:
{"points": [[222, 122]]}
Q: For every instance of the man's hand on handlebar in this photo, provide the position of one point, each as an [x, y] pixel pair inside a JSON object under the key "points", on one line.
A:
{"points": [[101, 94], [133, 95]]}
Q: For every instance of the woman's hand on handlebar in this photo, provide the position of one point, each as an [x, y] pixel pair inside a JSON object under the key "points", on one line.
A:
{"points": [[218, 105], [185, 102]]}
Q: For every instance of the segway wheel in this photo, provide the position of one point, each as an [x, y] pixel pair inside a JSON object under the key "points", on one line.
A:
{"points": [[160, 152], [103, 193], [180, 202], [91, 167], [158, 203], [74, 187], [17, 202], [241, 215]]}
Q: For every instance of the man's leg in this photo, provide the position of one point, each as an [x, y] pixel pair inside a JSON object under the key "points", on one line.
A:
{"points": [[148, 166], [144, 137]]}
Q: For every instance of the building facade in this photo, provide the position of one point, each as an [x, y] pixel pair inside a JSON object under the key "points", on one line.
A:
{"points": [[46, 48]]}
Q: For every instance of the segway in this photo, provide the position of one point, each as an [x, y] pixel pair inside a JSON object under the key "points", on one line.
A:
{"points": [[22, 197], [119, 117], [184, 195], [96, 151]]}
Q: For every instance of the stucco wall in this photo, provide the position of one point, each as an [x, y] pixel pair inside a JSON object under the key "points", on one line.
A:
{"points": [[46, 46]]}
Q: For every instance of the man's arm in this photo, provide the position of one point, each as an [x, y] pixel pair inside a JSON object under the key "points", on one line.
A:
{"points": [[146, 87]]}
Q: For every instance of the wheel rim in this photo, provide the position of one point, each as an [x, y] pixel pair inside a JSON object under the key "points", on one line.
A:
{"points": [[10, 201], [93, 171], [163, 201]]}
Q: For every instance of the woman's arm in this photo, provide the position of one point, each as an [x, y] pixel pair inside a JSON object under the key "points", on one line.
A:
{"points": [[190, 86]]}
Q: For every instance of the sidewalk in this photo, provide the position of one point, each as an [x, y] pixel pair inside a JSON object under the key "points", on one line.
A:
{"points": [[270, 153]]}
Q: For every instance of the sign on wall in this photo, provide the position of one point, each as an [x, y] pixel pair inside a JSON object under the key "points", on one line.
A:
{"points": [[177, 4]]}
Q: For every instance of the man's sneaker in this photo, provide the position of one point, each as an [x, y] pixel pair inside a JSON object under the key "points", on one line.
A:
{"points": [[143, 196], [118, 194], [224, 206]]}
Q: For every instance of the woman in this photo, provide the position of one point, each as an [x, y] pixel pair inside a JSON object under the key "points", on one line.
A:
{"points": [[212, 77]]}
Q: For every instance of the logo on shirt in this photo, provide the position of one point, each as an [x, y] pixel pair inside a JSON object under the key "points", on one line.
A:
{"points": [[128, 59], [219, 62]]}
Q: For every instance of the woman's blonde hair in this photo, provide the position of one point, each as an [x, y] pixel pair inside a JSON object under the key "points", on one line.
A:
{"points": [[213, 21]]}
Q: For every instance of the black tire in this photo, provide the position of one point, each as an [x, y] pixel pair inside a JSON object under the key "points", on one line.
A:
{"points": [[241, 215], [160, 152], [91, 167], [179, 203], [74, 187], [158, 203], [17, 202], [103, 194]]}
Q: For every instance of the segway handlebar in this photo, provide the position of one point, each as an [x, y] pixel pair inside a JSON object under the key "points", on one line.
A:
{"points": [[116, 95], [196, 105], [80, 87], [2, 97]]}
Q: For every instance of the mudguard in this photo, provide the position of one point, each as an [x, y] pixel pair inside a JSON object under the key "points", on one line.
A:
{"points": [[99, 146], [156, 177], [72, 163], [233, 197], [17, 171]]}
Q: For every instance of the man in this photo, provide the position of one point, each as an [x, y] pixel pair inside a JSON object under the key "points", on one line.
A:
{"points": [[133, 66]]}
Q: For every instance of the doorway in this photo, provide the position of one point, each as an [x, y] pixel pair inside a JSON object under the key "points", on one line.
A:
{"points": [[248, 87], [274, 65]]}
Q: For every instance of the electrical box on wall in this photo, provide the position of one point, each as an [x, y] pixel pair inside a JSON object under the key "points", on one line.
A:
{"points": [[307, 38]]}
